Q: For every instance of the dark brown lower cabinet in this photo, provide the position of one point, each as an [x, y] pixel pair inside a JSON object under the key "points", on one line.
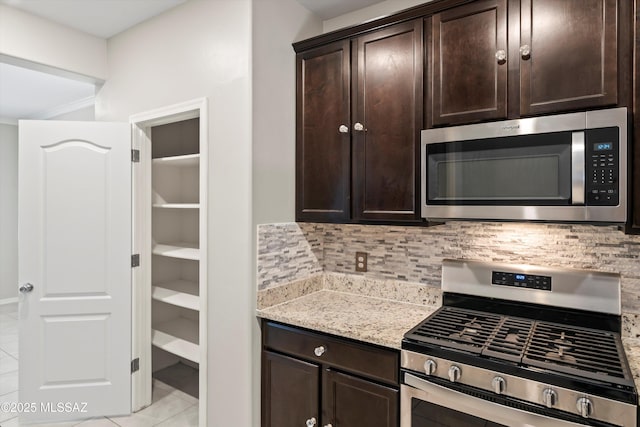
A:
{"points": [[313, 379], [290, 390], [351, 401]]}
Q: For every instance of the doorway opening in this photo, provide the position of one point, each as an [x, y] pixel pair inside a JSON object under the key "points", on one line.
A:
{"points": [[169, 236]]}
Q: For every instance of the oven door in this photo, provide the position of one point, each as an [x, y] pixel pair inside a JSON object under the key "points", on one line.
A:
{"points": [[425, 404]]}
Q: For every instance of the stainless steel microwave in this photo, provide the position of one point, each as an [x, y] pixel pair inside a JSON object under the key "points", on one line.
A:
{"points": [[568, 167]]}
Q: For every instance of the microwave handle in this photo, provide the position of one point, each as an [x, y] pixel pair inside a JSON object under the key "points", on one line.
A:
{"points": [[578, 180]]}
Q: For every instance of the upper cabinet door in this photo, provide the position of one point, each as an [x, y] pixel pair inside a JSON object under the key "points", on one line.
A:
{"points": [[568, 55], [387, 119], [468, 63], [323, 144]]}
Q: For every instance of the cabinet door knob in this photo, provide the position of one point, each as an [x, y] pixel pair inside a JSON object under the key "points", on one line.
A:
{"points": [[311, 422], [501, 56], [319, 351], [343, 129], [525, 51], [358, 126]]}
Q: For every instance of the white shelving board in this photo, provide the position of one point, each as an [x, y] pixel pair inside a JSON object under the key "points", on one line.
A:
{"points": [[178, 250], [181, 293], [185, 160], [177, 205], [178, 336]]}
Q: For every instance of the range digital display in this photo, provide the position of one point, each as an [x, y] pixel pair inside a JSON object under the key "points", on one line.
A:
{"points": [[603, 146], [519, 280]]}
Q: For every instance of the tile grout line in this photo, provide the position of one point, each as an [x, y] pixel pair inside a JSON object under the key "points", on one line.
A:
{"points": [[176, 415]]}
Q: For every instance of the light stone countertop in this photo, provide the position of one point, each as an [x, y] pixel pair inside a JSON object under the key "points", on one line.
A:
{"points": [[363, 318], [632, 350], [375, 320]]}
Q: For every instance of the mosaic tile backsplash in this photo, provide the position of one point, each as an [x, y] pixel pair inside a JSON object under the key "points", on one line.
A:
{"points": [[288, 252]]}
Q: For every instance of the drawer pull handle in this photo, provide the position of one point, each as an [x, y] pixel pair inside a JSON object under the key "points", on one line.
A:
{"points": [[329, 425], [311, 422], [320, 350]]}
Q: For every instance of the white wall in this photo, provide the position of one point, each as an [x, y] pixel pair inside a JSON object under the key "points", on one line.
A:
{"points": [[8, 212], [377, 10], [203, 49], [30, 38], [276, 24], [83, 114]]}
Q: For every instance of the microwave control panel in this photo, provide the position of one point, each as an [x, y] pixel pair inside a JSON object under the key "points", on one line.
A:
{"points": [[602, 167]]}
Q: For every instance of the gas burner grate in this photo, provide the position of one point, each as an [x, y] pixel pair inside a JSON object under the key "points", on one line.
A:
{"points": [[463, 329], [582, 352], [510, 339], [577, 351]]}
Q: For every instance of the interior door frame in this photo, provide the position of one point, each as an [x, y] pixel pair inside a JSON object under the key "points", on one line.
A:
{"points": [[141, 125]]}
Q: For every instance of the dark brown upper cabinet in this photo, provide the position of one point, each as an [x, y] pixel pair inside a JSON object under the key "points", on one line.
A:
{"points": [[359, 116], [387, 104], [568, 55], [361, 103], [323, 148], [468, 59], [495, 59]]}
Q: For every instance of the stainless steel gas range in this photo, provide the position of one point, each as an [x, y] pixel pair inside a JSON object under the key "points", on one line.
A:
{"points": [[519, 345]]}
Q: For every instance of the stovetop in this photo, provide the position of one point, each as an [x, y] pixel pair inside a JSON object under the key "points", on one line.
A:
{"points": [[592, 354]]}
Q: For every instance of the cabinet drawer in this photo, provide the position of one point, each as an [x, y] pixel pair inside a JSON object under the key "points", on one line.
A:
{"points": [[363, 359]]}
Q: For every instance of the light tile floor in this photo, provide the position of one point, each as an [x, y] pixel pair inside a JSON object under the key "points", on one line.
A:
{"points": [[171, 407]]}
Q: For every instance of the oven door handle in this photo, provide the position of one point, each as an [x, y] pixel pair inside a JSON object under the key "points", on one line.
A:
{"points": [[426, 391]]}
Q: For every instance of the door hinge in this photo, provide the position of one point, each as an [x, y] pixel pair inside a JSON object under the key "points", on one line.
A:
{"points": [[135, 156], [135, 260], [135, 365]]}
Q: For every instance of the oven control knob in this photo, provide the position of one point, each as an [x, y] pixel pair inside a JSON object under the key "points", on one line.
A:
{"points": [[454, 374], [498, 385], [430, 367], [585, 407], [549, 397]]}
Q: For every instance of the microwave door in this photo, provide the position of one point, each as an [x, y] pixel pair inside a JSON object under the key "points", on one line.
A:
{"points": [[526, 170]]}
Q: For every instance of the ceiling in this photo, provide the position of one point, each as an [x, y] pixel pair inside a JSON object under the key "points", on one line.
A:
{"points": [[101, 18], [327, 9], [29, 94], [37, 95]]}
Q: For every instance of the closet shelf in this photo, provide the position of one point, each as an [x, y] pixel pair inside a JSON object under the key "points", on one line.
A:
{"points": [[177, 205], [185, 160], [178, 250], [181, 293], [178, 336]]}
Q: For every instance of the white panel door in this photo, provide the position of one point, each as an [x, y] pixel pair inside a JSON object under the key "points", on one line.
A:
{"points": [[74, 238]]}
